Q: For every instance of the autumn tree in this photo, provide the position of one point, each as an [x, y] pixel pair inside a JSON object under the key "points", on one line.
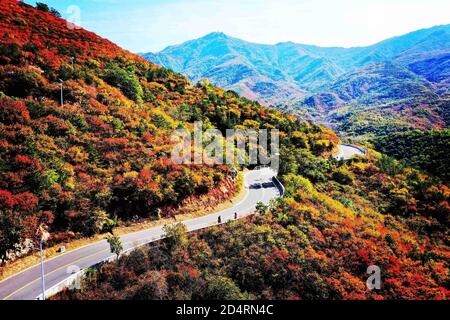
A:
{"points": [[176, 235], [222, 288], [115, 244], [11, 232]]}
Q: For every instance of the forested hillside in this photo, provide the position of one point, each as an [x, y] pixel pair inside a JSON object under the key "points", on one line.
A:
{"points": [[377, 99], [315, 243], [395, 85], [427, 150], [105, 154]]}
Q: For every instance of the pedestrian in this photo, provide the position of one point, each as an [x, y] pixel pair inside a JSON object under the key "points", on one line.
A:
{"points": [[219, 220], [235, 216]]}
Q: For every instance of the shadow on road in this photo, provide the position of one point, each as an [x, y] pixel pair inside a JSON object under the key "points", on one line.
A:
{"points": [[265, 185]]}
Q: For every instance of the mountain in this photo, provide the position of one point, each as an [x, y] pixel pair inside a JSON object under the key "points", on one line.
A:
{"points": [[316, 81], [103, 154], [306, 66], [230, 63], [377, 99], [264, 72]]}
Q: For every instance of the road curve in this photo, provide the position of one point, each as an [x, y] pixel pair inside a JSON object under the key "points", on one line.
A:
{"points": [[347, 151], [26, 285]]}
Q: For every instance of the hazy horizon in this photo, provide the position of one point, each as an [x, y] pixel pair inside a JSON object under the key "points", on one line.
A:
{"points": [[158, 24], [308, 44]]}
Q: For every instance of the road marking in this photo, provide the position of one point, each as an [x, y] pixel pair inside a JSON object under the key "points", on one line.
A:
{"points": [[65, 266], [51, 272], [126, 243], [128, 234], [50, 259]]}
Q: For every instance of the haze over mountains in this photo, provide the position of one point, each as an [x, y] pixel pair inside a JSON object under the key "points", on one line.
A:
{"points": [[320, 80]]}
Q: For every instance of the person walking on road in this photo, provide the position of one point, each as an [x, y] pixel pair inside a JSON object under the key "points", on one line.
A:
{"points": [[219, 220], [235, 216]]}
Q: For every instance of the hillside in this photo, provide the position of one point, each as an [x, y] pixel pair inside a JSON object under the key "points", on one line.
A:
{"points": [[361, 83], [104, 156], [216, 56], [314, 243], [378, 99], [427, 150]]}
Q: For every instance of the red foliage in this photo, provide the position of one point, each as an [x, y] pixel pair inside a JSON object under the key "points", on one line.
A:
{"points": [[13, 111], [26, 202], [23, 202], [23, 161], [7, 199]]}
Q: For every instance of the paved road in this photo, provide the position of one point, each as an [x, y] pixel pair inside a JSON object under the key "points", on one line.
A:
{"points": [[347, 151], [27, 284]]}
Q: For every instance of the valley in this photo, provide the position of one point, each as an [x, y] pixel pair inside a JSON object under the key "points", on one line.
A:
{"points": [[396, 85]]}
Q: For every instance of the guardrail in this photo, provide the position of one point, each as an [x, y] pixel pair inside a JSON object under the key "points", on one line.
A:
{"points": [[77, 277], [279, 185], [275, 180], [66, 283], [71, 281]]}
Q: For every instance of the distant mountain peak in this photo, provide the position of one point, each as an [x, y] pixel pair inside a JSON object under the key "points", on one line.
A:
{"points": [[292, 70], [285, 43], [215, 35]]}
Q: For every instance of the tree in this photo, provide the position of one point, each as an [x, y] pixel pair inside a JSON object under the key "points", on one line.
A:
{"points": [[176, 235], [115, 244], [97, 222], [44, 7], [11, 230], [55, 12], [126, 81], [154, 287], [222, 288], [390, 166], [343, 176], [21, 82], [13, 112], [261, 208]]}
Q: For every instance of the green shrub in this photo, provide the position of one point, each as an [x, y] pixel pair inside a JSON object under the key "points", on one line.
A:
{"points": [[343, 176], [125, 81], [222, 288]]}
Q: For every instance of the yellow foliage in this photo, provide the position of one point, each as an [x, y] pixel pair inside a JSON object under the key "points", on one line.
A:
{"points": [[162, 118], [360, 166], [132, 175], [70, 183], [77, 154], [251, 124]]}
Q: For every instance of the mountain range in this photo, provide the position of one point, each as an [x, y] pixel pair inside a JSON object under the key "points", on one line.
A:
{"points": [[410, 71]]}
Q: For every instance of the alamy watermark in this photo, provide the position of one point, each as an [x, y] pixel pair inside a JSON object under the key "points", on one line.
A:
{"points": [[236, 147], [74, 18], [374, 281]]}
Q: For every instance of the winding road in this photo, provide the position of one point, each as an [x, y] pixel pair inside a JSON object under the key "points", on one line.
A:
{"points": [[347, 151], [261, 185]]}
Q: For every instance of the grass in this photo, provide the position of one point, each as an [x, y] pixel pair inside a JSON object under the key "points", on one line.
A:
{"points": [[32, 259]]}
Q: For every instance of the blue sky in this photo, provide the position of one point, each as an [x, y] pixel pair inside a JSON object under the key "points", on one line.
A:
{"points": [[151, 25]]}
